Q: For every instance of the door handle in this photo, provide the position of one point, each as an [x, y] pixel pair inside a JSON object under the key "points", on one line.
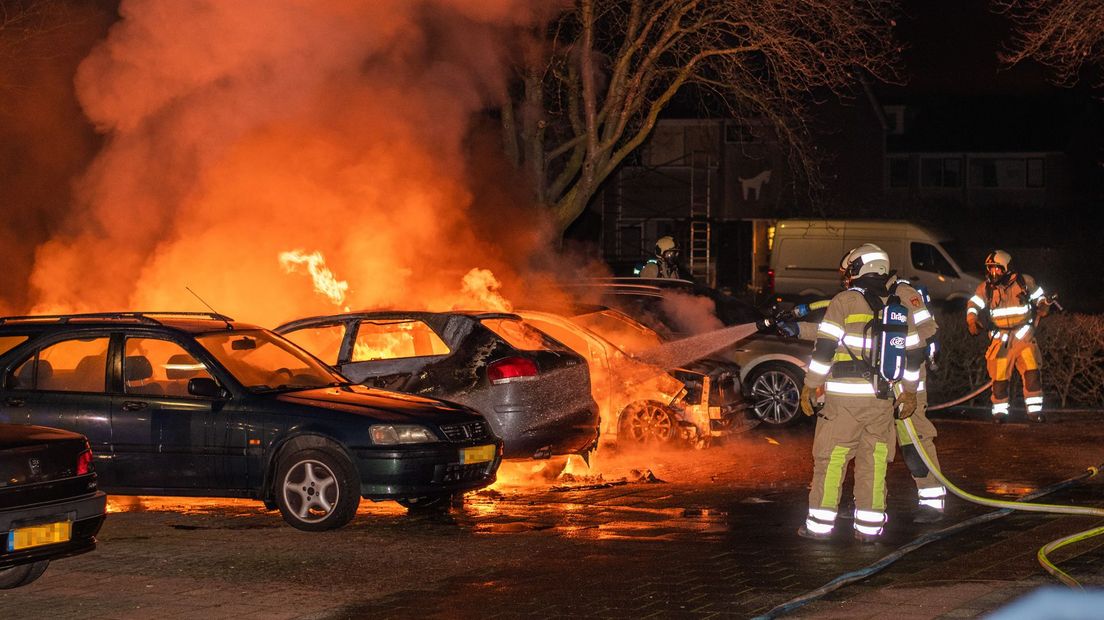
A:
{"points": [[134, 405], [15, 402]]}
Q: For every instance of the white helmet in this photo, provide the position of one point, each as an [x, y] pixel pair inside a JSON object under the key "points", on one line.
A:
{"points": [[865, 259]]}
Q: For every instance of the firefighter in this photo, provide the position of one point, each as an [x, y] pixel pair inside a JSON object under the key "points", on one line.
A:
{"points": [[665, 263], [857, 420], [1009, 304], [930, 492]]}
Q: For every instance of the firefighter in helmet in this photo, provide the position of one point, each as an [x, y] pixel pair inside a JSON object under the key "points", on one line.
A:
{"points": [[665, 263], [857, 420], [1008, 304]]}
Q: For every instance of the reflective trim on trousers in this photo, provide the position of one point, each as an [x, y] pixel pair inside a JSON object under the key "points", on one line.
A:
{"points": [[820, 521], [1034, 408], [932, 492], [932, 503], [1000, 408], [870, 522], [818, 368]]}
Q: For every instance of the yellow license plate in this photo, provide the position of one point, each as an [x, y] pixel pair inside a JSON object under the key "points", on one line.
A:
{"points": [[478, 454], [39, 535]]}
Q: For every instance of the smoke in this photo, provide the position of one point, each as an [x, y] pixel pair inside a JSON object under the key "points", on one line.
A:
{"points": [[236, 131], [691, 314]]}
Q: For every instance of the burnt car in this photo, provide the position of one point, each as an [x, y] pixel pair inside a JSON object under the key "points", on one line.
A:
{"points": [[533, 390], [50, 507], [642, 403], [772, 368], [199, 404]]}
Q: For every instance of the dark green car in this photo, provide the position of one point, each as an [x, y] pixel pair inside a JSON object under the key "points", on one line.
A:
{"points": [[199, 405]]}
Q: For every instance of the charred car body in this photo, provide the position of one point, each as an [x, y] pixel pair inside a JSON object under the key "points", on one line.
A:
{"points": [[641, 403], [50, 507], [533, 390], [197, 404]]}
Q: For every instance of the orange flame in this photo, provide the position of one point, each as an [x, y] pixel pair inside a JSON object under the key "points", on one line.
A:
{"points": [[325, 282]]}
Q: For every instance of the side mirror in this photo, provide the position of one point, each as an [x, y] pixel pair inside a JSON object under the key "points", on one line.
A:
{"points": [[205, 387]]}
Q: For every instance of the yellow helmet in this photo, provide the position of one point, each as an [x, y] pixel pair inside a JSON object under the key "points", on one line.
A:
{"points": [[666, 248]]}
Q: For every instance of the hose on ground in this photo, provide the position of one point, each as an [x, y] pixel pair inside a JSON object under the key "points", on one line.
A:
{"points": [[959, 401]]}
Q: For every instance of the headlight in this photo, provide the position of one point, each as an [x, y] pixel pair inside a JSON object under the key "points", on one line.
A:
{"points": [[391, 434]]}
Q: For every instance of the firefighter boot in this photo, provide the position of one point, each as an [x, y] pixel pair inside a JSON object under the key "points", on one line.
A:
{"points": [[867, 539], [804, 533]]}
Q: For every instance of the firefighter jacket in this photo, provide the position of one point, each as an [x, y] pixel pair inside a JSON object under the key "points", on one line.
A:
{"points": [[1011, 307], [843, 357]]}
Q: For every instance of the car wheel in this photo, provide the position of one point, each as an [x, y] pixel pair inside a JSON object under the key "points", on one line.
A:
{"points": [[21, 575], [647, 423], [439, 502], [317, 490], [774, 390]]}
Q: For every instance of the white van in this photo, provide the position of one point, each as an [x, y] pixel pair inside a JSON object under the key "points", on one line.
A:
{"points": [[805, 257]]}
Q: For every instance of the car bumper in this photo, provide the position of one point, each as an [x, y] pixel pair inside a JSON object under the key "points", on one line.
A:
{"points": [[528, 433], [414, 471], [86, 513]]}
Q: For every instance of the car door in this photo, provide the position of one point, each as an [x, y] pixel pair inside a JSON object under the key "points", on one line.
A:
{"points": [[62, 382], [193, 441], [388, 352]]}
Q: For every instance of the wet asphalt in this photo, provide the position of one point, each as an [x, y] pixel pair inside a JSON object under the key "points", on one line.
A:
{"points": [[665, 533]]}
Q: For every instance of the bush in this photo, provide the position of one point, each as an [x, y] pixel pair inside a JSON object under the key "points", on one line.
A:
{"points": [[1072, 347]]}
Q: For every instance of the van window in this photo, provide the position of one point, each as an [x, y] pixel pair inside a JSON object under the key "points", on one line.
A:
{"points": [[927, 257]]}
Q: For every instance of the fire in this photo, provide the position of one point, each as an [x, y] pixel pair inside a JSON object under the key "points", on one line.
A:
{"points": [[324, 280], [482, 288]]}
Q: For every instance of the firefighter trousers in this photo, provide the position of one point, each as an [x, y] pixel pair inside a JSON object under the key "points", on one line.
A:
{"points": [[1022, 355], [859, 429]]}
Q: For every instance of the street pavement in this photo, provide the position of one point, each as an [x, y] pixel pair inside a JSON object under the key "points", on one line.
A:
{"points": [[678, 533]]}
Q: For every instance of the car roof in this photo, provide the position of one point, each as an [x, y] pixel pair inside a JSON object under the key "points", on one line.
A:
{"points": [[398, 314], [190, 322]]}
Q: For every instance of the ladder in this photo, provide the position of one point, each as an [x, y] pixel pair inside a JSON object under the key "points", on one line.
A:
{"points": [[701, 242]]}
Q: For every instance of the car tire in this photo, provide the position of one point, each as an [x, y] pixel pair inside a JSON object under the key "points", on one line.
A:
{"points": [[773, 390], [647, 423], [439, 502], [317, 489], [22, 575]]}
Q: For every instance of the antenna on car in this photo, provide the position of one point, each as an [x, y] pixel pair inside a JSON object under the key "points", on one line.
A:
{"points": [[213, 311]]}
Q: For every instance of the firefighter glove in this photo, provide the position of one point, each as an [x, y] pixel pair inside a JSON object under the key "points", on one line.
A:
{"points": [[800, 311], [788, 329], [906, 404], [972, 325], [1043, 308], [808, 395]]}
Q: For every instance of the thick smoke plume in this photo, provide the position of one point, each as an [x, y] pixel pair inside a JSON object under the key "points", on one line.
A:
{"points": [[236, 131]]}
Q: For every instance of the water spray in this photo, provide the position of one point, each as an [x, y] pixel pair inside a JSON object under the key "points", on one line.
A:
{"points": [[681, 352]]}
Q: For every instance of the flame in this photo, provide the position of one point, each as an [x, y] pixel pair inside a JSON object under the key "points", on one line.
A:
{"points": [[481, 287], [324, 280]]}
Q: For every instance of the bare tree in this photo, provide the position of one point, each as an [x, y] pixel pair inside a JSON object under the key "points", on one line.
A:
{"points": [[1063, 35], [592, 86]]}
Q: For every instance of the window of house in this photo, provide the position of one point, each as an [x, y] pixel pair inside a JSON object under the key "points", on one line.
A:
{"points": [[67, 366], [940, 172], [1006, 172], [927, 257], [898, 172], [388, 340]]}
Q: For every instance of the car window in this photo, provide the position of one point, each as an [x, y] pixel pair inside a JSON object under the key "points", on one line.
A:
{"points": [[396, 339], [521, 336], [927, 257], [153, 366], [621, 330], [78, 365], [573, 340], [323, 341], [262, 361], [7, 343]]}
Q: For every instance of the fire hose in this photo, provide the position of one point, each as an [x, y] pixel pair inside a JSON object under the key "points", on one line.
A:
{"points": [[1006, 508]]}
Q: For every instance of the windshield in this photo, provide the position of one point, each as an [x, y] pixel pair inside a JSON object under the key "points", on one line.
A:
{"points": [[954, 250], [620, 329], [264, 362]]}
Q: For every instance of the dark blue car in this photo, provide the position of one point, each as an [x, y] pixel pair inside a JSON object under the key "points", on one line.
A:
{"points": [[197, 404]]}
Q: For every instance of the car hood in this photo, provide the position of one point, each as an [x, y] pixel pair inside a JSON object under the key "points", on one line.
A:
{"points": [[379, 404]]}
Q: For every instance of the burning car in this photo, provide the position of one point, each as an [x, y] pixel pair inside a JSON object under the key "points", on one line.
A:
{"points": [[641, 403], [533, 390], [200, 405]]}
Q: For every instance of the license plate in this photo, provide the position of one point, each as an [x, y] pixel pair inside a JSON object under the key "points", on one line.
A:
{"points": [[39, 535], [478, 454]]}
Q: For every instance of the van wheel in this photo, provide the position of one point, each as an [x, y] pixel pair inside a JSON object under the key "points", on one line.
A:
{"points": [[774, 390], [317, 489], [22, 575]]}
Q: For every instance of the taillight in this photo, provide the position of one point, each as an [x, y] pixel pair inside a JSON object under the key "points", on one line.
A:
{"points": [[770, 281], [84, 463], [512, 369]]}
